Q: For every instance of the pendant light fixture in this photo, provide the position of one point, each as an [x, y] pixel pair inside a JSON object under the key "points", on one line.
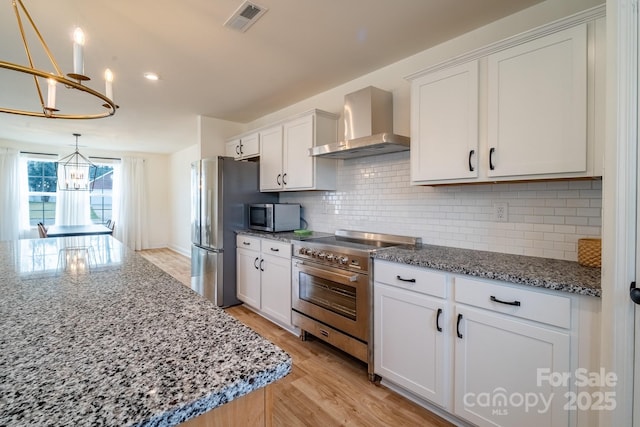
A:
{"points": [[54, 78], [78, 173]]}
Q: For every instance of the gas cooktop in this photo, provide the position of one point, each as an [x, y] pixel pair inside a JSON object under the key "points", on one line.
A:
{"points": [[347, 248], [363, 240]]}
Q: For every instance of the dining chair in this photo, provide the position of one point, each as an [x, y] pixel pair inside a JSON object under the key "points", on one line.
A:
{"points": [[111, 225], [42, 230]]}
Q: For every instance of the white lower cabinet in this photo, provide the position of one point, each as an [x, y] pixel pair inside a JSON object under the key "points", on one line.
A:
{"points": [[487, 352], [498, 361], [410, 345], [264, 277], [276, 282], [248, 270]]}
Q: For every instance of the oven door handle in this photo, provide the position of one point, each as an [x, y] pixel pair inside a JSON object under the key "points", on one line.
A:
{"points": [[325, 274]]}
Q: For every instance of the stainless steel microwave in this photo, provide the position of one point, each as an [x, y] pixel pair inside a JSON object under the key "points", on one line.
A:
{"points": [[274, 217]]}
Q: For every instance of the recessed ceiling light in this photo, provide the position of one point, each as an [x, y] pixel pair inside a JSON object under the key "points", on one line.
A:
{"points": [[151, 76]]}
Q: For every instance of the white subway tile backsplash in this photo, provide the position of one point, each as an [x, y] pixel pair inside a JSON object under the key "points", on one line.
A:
{"points": [[545, 219]]}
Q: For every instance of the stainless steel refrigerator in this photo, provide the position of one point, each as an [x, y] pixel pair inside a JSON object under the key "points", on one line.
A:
{"points": [[220, 190]]}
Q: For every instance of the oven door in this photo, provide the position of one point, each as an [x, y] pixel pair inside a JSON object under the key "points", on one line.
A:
{"points": [[336, 297]]}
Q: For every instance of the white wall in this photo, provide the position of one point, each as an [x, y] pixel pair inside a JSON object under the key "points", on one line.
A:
{"points": [[213, 133], [180, 191], [158, 199]]}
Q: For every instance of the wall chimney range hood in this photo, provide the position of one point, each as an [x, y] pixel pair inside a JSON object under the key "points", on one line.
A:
{"points": [[368, 127]]}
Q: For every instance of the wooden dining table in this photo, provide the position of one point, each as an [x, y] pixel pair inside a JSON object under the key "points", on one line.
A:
{"points": [[77, 230]]}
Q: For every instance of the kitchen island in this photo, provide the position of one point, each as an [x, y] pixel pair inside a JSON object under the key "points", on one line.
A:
{"points": [[93, 334]]}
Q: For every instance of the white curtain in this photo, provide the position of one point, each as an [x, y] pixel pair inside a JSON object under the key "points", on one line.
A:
{"points": [[130, 207], [72, 207], [10, 192]]}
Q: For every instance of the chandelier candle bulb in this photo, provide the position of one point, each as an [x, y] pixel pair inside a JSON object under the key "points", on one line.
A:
{"points": [[78, 54], [108, 79], [51, 94]]}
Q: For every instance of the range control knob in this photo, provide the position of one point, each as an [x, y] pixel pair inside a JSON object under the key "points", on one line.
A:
{"points": [[343, 260], [330, 257], [322, 255], [302, 251]]}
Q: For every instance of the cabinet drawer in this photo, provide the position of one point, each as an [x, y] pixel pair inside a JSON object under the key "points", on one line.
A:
{"points": [[275, 248], [411, 278], [533, 305], [248, 242]]}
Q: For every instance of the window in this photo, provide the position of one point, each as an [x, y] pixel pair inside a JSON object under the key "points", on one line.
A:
{"points": [[42, 191], [102, 195], [42, 186]]}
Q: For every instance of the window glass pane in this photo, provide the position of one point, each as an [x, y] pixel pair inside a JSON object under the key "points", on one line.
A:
{"points": [[102, 195], [42, 182]]}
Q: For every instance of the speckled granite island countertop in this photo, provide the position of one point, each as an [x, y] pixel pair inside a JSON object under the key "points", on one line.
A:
{"points": [[93, 334], [547, 273]]}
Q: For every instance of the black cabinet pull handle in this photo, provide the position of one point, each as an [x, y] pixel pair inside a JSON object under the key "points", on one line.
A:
{"points": [[283, 181], [255, 263], [471, 153], [261, 263], [458, 326], [278, 179], [405, 280], [241, 148], [275, 249], [491, 151], [246, 243], [494, 299], [634, 293], [237, 149], [438, 327]]}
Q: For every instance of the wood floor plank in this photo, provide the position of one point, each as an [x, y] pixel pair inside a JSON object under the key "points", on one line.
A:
{"points": [[326, 387]]}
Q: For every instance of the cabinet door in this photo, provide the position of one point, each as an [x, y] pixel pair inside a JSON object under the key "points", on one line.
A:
{"points": [[537, 112], [250, 146], [500, 361], [444, 133], [408, 347], [271, 159], [276, 288], [232, 148], [248, 277], [298, 165]]}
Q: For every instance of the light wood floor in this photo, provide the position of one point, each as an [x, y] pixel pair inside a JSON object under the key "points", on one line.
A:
{"points": [[326, 387]]}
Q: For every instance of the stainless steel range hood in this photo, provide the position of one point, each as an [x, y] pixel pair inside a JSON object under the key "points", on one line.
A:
{"points": [[368, 127]]}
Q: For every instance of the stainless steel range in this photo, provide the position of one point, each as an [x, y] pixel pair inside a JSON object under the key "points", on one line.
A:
{"points": [[332, 283]]}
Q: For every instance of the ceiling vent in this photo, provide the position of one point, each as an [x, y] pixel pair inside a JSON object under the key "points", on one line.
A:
{"points": [[245, 16]]}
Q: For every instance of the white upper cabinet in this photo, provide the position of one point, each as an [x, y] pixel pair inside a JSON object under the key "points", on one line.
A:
{"points": [[526, 108], [537, 112], [271, 159], [285, 164], [245, 147], [297, 164], [444, 116]]}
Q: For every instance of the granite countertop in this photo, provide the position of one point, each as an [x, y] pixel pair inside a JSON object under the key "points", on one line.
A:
{"points": [[547, 273], [566, 276], [285, 236], [93, 334]]}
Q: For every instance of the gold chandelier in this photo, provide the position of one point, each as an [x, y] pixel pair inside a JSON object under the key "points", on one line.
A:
{"points": [[71, 81]]}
